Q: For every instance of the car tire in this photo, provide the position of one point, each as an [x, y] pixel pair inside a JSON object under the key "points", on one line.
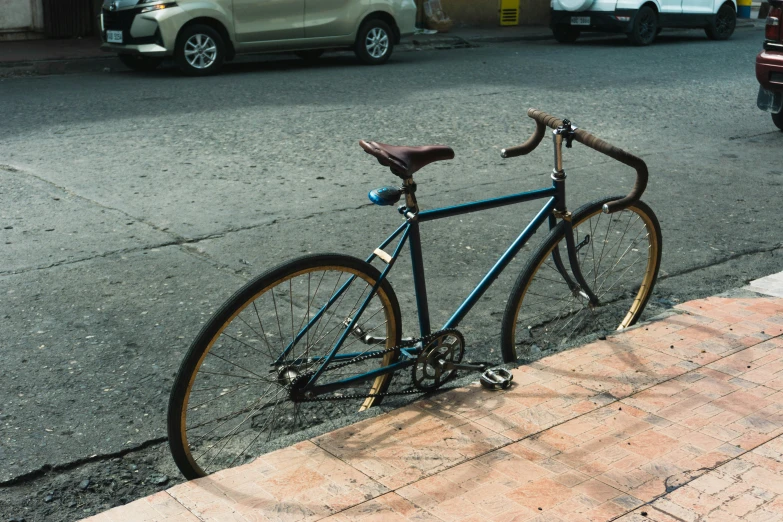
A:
{"points": [[645, 26], [135, 62], [200, 50], [310, 55], [374, 42], [565, 33], [777, 119], [722, 26]]}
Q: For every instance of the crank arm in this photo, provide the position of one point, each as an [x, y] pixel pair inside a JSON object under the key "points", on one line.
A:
{"points": [[446, 365]]}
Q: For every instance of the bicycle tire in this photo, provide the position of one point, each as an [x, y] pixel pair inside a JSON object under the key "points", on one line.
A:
{"points": [[235, 337], [541, 306]]}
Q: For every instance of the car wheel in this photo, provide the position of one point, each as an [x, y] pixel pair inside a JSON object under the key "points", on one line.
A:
{"points": [[374, 43], [645, 25], [777, 119], [565, 33], [200, 50], [722, 26], [139, 63], [310, 55]]}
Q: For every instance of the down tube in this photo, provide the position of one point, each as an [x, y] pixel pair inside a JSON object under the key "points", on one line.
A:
{"points": [[502, 263]]}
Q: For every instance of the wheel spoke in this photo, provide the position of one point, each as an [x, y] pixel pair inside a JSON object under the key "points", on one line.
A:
{"points": [[237, 409], [619, 270]]}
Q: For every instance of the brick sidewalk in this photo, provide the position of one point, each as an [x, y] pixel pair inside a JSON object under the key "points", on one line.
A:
{"points": [[679, 419]]}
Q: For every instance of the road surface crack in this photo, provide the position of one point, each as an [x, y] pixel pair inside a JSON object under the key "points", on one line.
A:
{"points": [[49, 468]]}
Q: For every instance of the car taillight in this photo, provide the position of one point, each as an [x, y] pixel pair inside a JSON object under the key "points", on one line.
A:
{"points": [[772, 30]]}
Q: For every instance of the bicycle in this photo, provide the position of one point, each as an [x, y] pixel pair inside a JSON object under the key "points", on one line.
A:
{"points": [[322, 333]]}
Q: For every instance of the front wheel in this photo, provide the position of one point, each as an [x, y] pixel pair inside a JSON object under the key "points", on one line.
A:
{"points": [[374, 43], [200, 50], [722, 26], [619, 255], [235, 398], [645, 26]]}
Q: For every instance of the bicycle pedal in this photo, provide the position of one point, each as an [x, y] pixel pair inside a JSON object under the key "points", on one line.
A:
{"points": [[497, 379]]}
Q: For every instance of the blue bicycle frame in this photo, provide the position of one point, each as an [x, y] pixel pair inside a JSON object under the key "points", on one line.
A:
{"points": [[554, 208], [409, 232]]}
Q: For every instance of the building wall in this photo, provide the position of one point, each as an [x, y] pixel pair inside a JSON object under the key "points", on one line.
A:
{"points": [[485, 12], [21, 16]]}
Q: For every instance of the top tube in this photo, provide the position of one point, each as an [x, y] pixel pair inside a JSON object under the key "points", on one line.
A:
{"points": [[475, 206]]}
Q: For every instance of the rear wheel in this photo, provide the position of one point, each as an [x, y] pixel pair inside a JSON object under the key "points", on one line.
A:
{"points": [[777, 119], [234, 397], [565, 33], [374, 43], [645, 26], [619, 255], [140, 63], [722, 26]]}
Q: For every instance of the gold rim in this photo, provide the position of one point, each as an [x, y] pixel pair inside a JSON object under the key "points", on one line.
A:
{"points": [[378, 385], [641, 296]]}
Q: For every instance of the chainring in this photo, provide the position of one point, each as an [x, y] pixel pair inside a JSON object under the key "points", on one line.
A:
{"points": [[442, 346]]}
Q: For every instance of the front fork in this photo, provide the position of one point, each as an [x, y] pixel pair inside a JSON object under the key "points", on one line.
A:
{"points": [[577, 284]]}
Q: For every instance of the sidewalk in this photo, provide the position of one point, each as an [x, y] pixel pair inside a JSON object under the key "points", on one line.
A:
{"points": [[678, 419]]}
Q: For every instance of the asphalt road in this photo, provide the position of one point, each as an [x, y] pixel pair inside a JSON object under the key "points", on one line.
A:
{"points": [[132, 205]]}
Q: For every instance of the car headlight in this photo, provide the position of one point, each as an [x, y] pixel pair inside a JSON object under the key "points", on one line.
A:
{"points": [[153, 6]]}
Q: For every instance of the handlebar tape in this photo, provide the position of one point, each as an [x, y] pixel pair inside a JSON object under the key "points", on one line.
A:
{"points": [[544, 120]]}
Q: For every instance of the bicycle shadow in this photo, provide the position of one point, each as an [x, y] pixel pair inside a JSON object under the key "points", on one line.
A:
{"points": [[447, 429], [619, 373]]}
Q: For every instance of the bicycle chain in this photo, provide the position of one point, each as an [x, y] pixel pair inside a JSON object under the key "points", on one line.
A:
{"points": [[407, 344]]}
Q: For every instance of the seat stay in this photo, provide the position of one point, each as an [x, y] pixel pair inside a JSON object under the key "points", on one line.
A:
{"points": [[325, 307], [352, 323]]}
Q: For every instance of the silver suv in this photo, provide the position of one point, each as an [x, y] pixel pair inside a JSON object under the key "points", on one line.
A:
{"points": [[201, 35]]}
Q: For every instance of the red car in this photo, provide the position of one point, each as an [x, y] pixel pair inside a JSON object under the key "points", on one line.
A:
{"points": [[769, 66]]}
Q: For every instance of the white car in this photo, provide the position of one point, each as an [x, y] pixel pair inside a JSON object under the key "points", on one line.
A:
{"points": [[641, 20]]}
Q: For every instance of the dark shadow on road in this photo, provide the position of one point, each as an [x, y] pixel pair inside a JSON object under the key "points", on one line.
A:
{"points": [[339, 80]]}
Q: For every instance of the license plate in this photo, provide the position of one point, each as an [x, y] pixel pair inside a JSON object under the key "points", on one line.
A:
{"points": [[580, 20], [114, 36]]}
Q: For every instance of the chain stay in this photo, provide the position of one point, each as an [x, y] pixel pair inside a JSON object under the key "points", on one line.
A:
{"points": [[407, 344]]}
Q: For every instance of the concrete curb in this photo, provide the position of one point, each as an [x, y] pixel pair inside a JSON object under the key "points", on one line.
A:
{"points": [[110, 62], [50, 67]]}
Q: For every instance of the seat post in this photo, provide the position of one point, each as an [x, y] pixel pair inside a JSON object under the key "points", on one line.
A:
{"points": [[409, 186]]}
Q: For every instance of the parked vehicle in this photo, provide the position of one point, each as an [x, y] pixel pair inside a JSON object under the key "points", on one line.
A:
{"points": [[769, 66], [642, 20], [201, 35]]}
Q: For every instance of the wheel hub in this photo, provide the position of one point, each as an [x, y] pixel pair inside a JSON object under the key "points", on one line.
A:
{"points": [[296, 383], [200, 51], [376, 43], [286, 376]]}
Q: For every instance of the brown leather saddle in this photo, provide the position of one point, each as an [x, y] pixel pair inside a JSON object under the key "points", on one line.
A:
{"points": [[404, 161]]}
